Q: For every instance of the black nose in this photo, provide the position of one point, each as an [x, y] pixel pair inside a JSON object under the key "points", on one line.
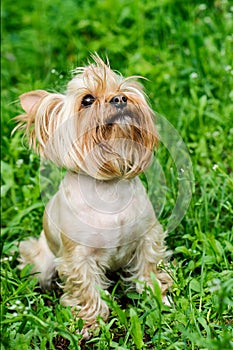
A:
{"points": [[119, 101]]}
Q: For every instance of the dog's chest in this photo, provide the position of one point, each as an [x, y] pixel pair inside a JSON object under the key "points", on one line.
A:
{"points": [[101, 214]]}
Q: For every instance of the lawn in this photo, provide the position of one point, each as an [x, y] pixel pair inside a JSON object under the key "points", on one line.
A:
{"points": [[185, 50]]}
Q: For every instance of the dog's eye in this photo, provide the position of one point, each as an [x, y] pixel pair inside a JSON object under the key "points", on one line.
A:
{"points": [[88, 100]]}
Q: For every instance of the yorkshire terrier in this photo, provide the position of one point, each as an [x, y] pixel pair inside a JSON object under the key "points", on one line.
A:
{"points": [[102, 131]]}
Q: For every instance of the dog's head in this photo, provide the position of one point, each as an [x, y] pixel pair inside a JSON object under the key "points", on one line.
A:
{"points": [[102, 126]]}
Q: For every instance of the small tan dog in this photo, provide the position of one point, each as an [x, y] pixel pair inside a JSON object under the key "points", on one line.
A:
{"points": [[102, 131]]}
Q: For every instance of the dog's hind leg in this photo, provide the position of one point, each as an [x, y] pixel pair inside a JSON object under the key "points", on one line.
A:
{"points": [[37, 253]]}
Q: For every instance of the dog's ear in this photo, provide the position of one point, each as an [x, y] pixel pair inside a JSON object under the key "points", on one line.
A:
{"points": [[30, 99], [41, 109]]}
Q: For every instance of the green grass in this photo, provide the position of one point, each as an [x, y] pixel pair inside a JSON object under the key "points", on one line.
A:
{"points": [[185, 50]]}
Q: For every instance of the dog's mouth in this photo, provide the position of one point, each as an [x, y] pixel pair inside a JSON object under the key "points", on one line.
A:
{"points": [[123, 117]]}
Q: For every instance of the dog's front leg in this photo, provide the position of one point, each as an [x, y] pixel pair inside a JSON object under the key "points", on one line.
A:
{"points": [[80, 268], [150, 251]]}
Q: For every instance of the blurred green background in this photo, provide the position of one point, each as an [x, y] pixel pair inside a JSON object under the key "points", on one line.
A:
{"points": [[182, 47]]}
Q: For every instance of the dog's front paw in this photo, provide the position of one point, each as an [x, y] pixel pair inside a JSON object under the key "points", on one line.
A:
{"points": [[163, 280], [90, 312], [90, 318]]}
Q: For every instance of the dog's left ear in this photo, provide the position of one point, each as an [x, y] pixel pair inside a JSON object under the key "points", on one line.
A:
{"points": [[30, 99], [40, 120]]}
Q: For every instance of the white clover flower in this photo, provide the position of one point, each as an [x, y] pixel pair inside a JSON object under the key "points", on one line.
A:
{"points": [[13, 307], [202, 7], [216, 133], [19, 162], [215, 285], [215, 167], [193, 75], [227, 68]]}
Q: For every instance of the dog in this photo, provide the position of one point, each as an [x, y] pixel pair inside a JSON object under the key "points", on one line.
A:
{"points": [[102, 131]]}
